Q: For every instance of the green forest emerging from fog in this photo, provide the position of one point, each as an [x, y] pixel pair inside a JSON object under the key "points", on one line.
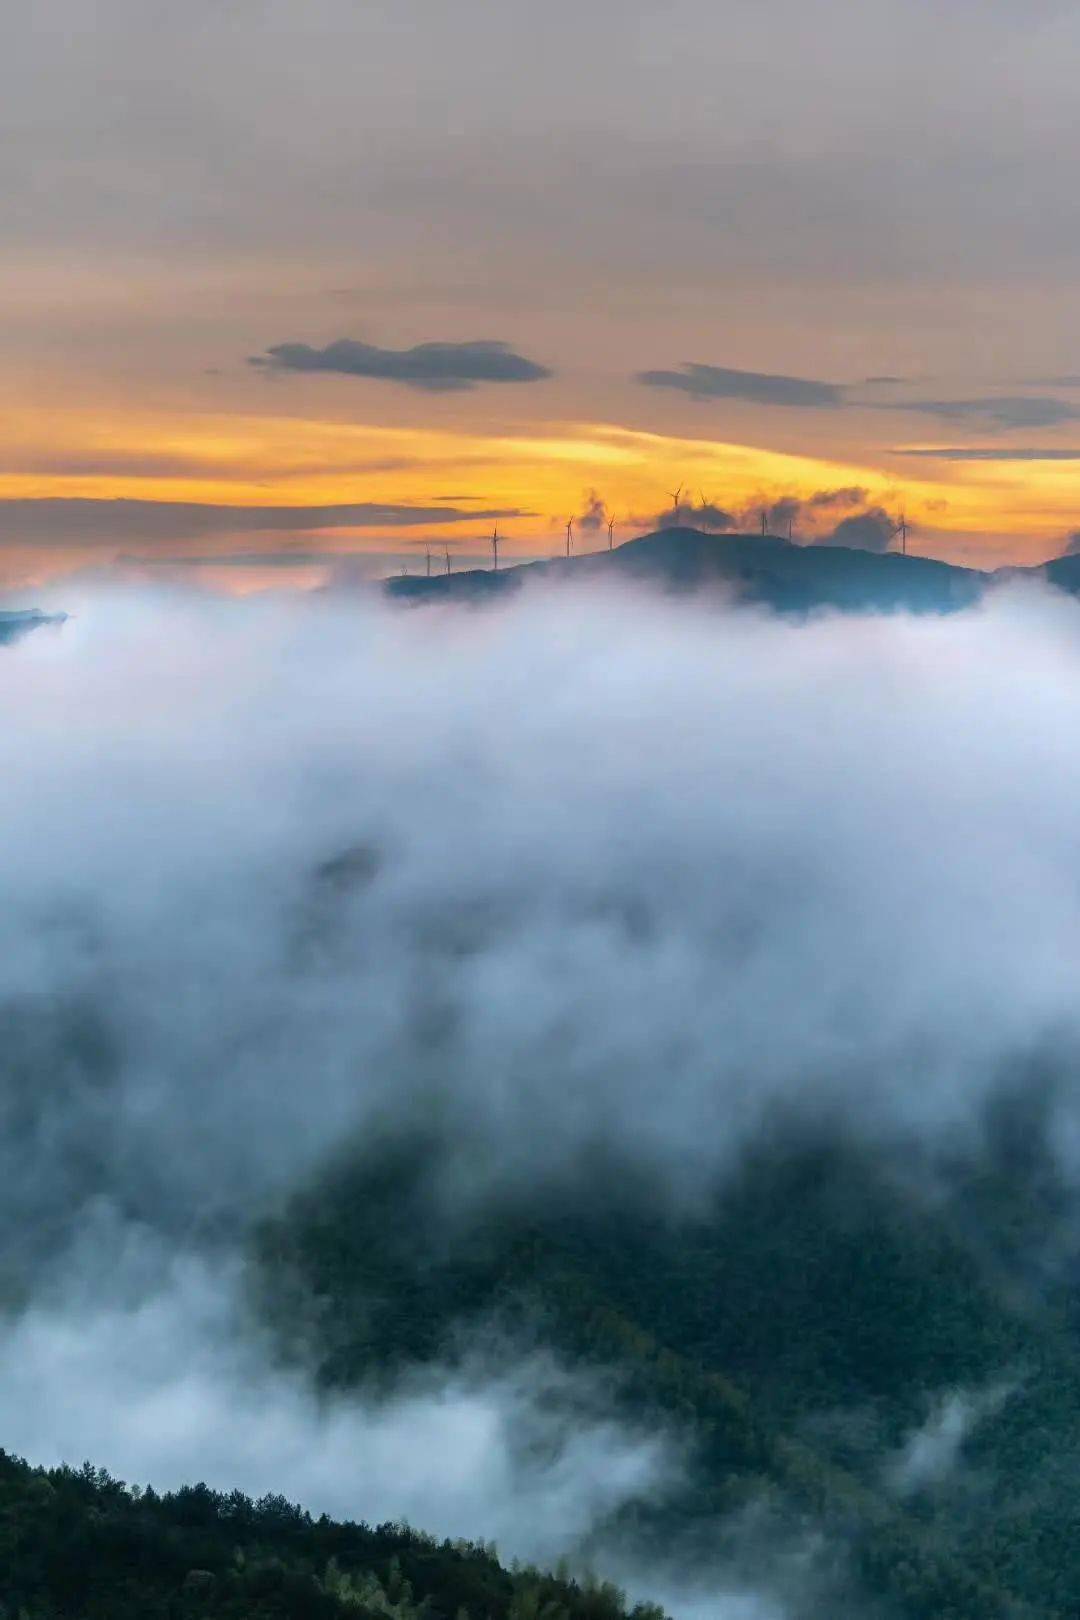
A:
{"points": [[796, 1330], [791, 1331]]}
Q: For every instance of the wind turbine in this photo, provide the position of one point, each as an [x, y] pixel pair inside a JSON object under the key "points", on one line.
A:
{"points": [[495, 545], [675, 493], [447, 550], [610, 532], [428, 556], [569, 534], [901, 530], [764, 522]]}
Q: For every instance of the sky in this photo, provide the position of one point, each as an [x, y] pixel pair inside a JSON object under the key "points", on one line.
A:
{"points": [[400, 271]]}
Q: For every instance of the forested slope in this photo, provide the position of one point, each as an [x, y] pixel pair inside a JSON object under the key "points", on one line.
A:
{"points": [[78, 1545], [800, 1331]]}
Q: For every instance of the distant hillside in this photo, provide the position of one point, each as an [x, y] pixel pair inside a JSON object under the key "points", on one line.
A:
{"points": [[15, 624], [1064, 572], [762, 569]]}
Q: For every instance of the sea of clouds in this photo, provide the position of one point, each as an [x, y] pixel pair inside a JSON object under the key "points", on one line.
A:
{"points": [[583, 868]]}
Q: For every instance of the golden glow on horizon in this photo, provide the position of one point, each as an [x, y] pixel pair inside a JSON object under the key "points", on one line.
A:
{"points": [[268, 461]]}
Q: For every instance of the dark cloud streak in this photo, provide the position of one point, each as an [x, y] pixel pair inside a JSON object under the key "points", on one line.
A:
{"points": [[756, 387], [983, 452], [1002, 412], [437, 368], [999, 411], [82, 522]]}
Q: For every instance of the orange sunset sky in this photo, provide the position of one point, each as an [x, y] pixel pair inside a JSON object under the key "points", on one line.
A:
{"points": [[257, 257]]}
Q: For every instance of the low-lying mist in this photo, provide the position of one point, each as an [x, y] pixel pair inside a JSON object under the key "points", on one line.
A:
{"points": [[583, 870], [173, 1384]]}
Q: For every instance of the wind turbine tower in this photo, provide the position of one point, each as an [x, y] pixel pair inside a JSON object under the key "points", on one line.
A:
{"points": [[764, 522], [495, 546], [428, 555], [610, 532], [447, 550], [569, 534], [675, 493], [902, 528]]}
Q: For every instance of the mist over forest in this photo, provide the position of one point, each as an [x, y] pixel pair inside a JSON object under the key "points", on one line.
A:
{"points": [[595, 1074]]}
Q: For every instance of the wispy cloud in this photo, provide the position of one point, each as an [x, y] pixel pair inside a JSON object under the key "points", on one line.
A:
{"points": [[987, 452], [932, 1452], [835, 517], [870, 530], [435, 367], [843, 516], [758, 387], [294, 557], [1000, 411], [79, 521], [594, 513]]}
